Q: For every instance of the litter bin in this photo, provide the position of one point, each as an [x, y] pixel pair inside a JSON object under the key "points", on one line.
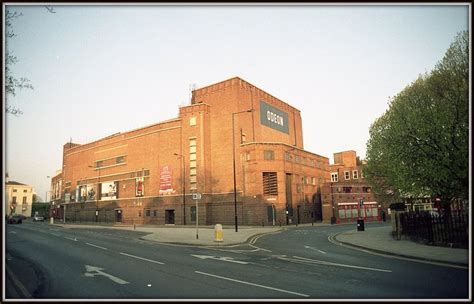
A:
{"points": [[360, 225], [333, 220]]}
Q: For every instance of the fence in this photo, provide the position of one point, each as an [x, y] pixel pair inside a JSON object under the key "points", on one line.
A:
{"points": [[436, 229]]}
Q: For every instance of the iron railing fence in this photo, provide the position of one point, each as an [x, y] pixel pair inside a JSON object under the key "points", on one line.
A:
{"points": [[436, 229]]}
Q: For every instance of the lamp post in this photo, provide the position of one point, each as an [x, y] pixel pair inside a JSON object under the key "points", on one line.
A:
{"points": [[46, 194], [184, 185], [96, 196], [233, 162]]}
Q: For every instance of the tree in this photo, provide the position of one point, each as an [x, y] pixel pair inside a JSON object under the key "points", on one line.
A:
{"points": [[420, 145]]}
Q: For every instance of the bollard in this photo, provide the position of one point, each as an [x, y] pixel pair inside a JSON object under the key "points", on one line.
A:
{"points": [[263, 225], [218, 233], [51, 221], [280, 223]]}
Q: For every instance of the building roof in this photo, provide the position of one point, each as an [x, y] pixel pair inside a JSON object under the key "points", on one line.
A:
{"points": [[15, 183]]}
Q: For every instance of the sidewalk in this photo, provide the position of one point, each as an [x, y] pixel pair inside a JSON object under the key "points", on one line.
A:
{"points": [[186, 235], [379, 239]]}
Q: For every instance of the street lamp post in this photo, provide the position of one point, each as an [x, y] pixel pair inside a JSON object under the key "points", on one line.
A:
{"points": [[96, 196], [46, 194], [233, 163], [184, 189]]}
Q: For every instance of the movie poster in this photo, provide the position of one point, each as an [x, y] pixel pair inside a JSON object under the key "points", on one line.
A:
{"points": [[109, 191]]}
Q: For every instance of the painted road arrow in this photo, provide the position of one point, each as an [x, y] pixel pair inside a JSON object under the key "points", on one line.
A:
{"points": [[225, 259], [92, 271]]}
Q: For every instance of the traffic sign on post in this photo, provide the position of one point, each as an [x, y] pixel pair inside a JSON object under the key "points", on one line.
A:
{"points": [[196, 196]]}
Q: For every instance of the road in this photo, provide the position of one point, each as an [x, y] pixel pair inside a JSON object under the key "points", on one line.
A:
{"points": [[300, 263]]}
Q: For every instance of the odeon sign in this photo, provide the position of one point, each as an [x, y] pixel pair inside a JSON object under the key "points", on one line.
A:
{"points": [[273, 117]]}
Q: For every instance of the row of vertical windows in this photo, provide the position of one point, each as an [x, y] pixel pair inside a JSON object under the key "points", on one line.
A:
{"points": [[305, 161], [347, 175], [192, 164]]}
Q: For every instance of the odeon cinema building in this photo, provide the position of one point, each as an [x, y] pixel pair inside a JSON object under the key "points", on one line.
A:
{"points": [[235, 153]]}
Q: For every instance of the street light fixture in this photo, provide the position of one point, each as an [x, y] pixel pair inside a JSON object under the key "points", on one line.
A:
{"points": [[46, 194], [233, 162], [184, 189], [96, 195]]}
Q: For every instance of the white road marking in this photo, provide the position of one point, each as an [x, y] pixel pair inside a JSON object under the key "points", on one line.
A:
{"points": [[259, 248], [96, 246], [252, 284], [337, 264], [55, 234], [98, 271], [140, 258], [315, 249], [14, 232], [72, 239], [225, 259]]}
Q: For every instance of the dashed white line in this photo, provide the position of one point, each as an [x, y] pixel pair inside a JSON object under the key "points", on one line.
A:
{"points": [[72, 239], [140, 258], [100, 247], [253, 284]]}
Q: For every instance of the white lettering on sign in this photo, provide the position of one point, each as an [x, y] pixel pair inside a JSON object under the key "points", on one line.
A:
{"points": [[275, 118]]}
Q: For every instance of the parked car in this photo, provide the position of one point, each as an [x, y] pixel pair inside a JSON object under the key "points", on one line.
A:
{"points": [[15, 219], [38, 218]]}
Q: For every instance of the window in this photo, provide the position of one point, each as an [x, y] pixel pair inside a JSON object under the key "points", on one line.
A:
{"points": [[269, 155], [120, 159], [192, 121], [355, 174], [288, 156], [298, 188], [24, 199], [14, 190], [155, 213], [24, 191], [334, 177], [147, 212], [313, 180], [193, 213], [297, 159], [14, 199], [246, 156], [243, 138], [347, 175], [270, 183], [99, 164], [139, 213], [361, 174], [347, 189]]}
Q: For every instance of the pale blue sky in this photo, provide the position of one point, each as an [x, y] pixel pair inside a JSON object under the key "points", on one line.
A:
{"points": [[98, 70]]}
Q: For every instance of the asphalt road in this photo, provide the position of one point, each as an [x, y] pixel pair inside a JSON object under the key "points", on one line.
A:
{"points": [[56, 263]]}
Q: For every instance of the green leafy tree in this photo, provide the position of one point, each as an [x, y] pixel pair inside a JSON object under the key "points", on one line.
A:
{"points": [[420, 145]]}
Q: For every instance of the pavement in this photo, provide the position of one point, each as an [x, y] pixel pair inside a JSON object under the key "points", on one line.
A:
{"points": [[375, 239]]}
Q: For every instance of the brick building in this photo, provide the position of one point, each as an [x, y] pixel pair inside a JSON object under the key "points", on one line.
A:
{"points": [[342, 195], [148, 175]]}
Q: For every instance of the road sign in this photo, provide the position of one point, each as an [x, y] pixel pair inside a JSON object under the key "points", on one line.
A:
{"points": [[196, 196]]}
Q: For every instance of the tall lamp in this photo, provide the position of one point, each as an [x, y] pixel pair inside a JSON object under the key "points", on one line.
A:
{"points": [[233, 162], [184, 189]]}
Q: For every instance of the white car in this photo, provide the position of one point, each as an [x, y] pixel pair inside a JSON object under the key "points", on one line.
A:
{"points": [[38, 218]]}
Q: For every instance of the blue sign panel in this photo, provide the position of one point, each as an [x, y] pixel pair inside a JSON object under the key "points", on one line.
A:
{"points": [[273, 117]]}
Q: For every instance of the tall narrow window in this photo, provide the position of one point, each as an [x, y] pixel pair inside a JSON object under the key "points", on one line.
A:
{"points": [[355, 174], [270, 183], [347, 175], [334, 177], [192, 164]]}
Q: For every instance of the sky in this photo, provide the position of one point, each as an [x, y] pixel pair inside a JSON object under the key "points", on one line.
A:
{"points": [[102, 69]]}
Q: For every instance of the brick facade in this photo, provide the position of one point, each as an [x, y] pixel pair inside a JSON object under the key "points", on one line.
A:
{"points": [[277, 181], [341, 197]]}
